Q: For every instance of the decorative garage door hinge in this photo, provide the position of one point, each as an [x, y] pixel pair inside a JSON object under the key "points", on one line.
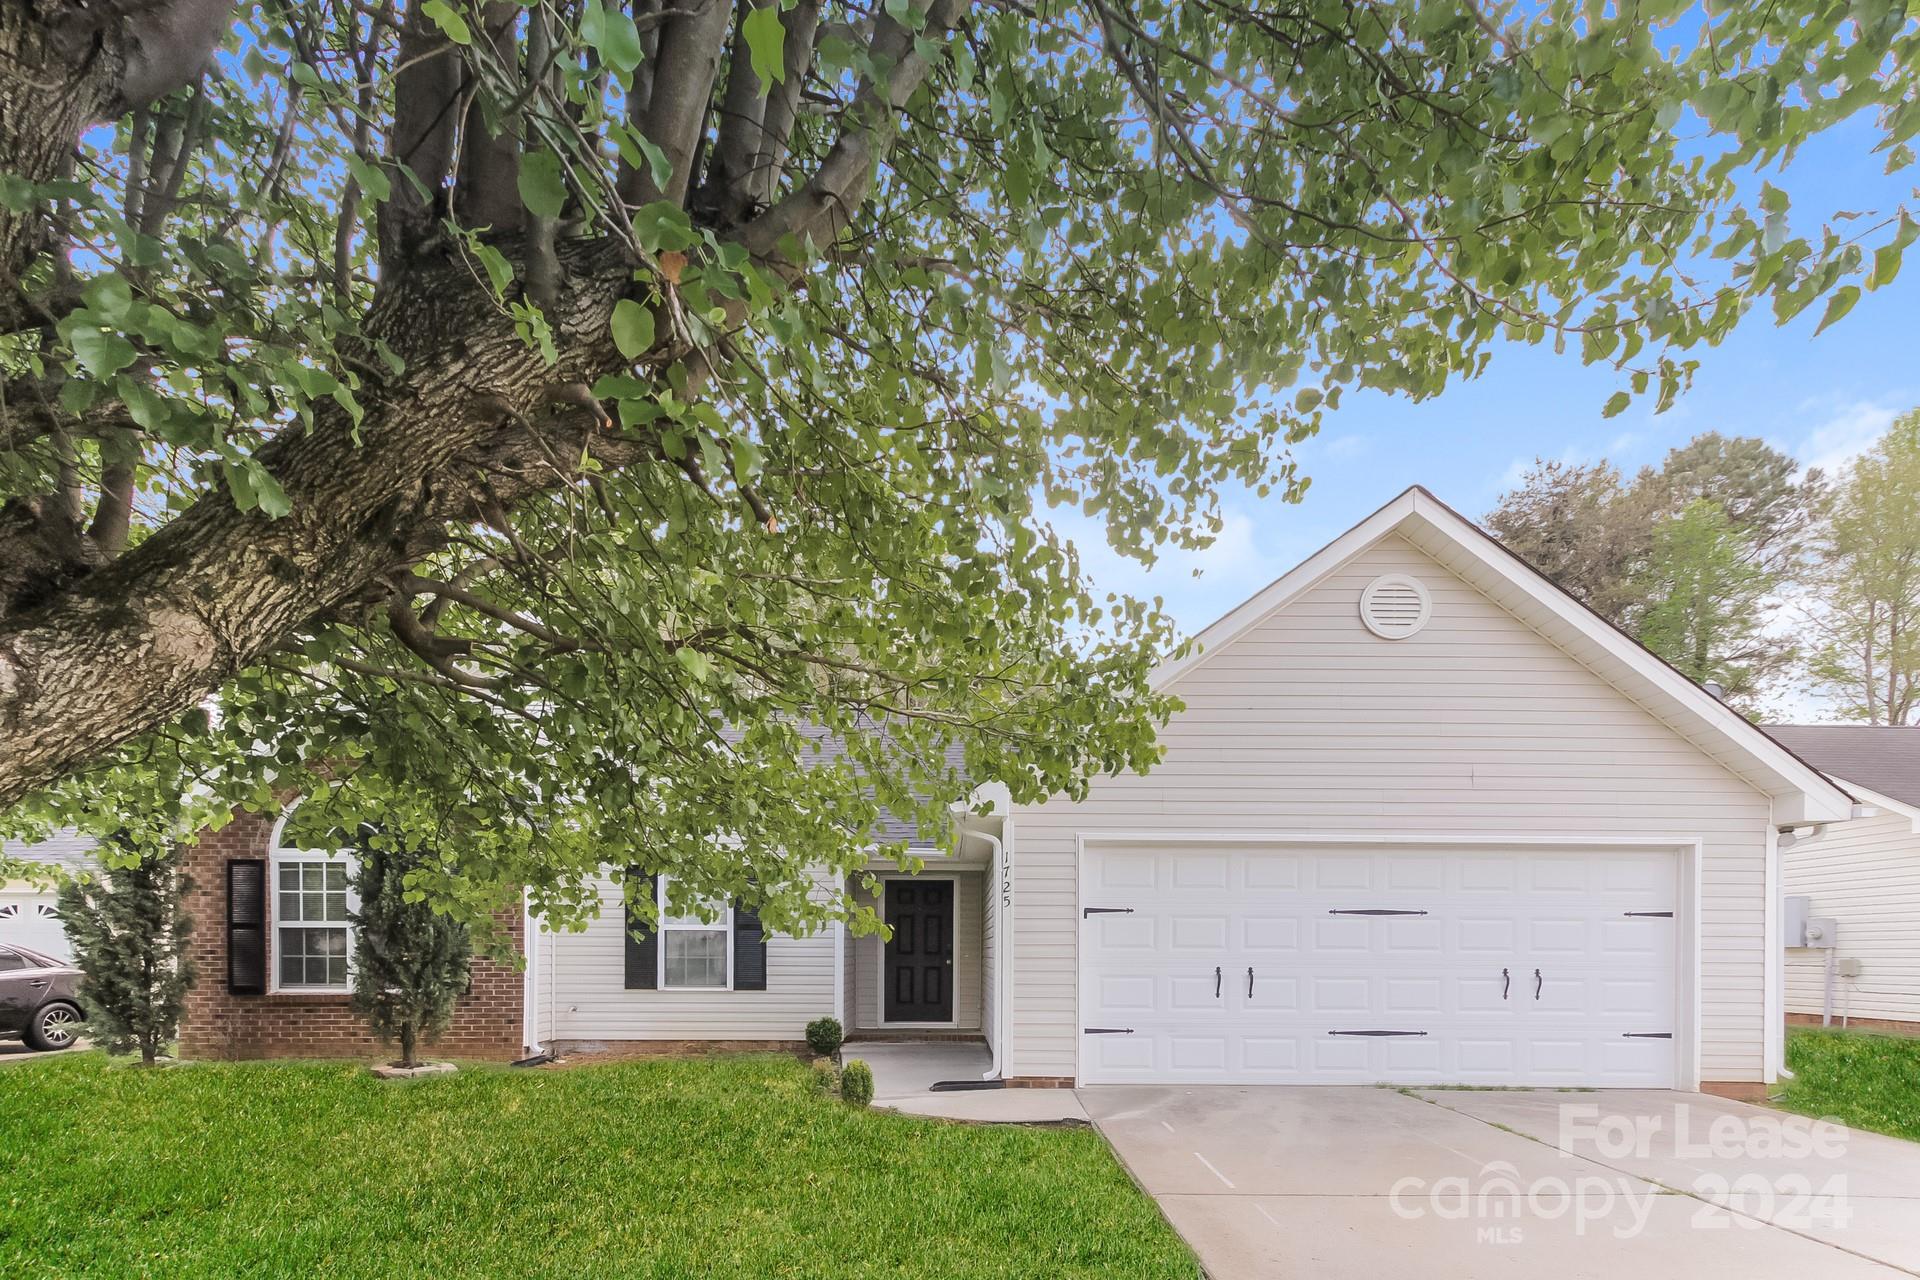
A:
{"points": [[1652, 915], [1106, 1031], [1374, 911], [1105, 911], [1376, 1033], [1646, 1035]]}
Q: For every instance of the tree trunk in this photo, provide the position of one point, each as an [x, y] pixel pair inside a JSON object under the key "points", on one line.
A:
{"points": [[406, 1045], [149, 636], [63, 66]]}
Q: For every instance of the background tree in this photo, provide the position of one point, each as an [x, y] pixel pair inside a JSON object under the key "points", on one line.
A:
{"points": [[1763, 492], [1707, 600], [410, 962], [524, 416], [1864, 602], [1688, 557], [1577, 524], [129, 934]]}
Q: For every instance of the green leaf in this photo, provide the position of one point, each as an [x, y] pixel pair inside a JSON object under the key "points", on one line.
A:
{"points": [[100, 352], [543, 185], [632, 328], [372, 178], [766, 44], [1616, 404], [1838, 305], [108, 297], [448, 20], [694, 663], [267, 493], [1886, 259], [619, 43]]}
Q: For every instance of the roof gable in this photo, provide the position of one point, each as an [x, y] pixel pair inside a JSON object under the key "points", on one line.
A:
{"points": [[1800, 792]]}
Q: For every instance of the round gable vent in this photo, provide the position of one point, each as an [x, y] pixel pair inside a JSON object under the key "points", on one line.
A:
{"points": [[1395, 606]]}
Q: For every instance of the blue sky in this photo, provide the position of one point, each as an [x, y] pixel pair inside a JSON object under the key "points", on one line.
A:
{"points": [[1820, 399]]}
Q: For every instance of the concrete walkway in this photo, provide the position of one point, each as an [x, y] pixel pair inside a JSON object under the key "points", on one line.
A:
{"points": [[903, 1073], [1370, 1182]]}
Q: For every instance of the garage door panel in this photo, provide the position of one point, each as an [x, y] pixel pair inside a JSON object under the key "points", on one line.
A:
{"points": [[1449, 948], [1198, 933], [1269, 934]]}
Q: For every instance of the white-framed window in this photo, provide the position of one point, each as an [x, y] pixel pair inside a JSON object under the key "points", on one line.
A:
{"points": [[312, 939], [695, 954]]}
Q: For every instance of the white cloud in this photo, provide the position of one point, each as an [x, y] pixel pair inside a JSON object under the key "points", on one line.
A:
{"points": [[1848, 430]]}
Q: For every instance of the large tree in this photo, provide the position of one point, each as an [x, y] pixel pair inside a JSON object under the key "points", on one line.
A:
{"points": [[1864, 610], [518, 420], [1707, 601], [1581, 527]]}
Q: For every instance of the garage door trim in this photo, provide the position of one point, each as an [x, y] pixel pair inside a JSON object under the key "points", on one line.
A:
{"points": [[1686, 1036]]}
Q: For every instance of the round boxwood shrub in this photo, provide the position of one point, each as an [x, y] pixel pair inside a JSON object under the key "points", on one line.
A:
{"points": [[856, 1083], [824, 1036]]}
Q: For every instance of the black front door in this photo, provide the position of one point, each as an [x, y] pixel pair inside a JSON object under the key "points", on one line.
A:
{"points": [[919, 956]]}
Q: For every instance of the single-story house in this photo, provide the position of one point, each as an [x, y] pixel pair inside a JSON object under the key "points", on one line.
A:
{"points": [[1864, 876], [30, 909], [1424, 819]]}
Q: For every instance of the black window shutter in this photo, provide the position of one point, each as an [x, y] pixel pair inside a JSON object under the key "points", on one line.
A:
{"points": [[247, 926], [643, 952], [749, 951]]}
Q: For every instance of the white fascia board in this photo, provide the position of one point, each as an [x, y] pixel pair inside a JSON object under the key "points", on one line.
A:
{"points": [[1869, 796]]}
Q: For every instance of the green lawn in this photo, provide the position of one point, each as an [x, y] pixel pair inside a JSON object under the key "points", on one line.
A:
{"points": [[1868, 1081], [723, 1167]]}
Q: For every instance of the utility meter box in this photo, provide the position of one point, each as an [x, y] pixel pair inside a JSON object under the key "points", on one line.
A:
{"points": [[1822, 931], [1799, 907]]}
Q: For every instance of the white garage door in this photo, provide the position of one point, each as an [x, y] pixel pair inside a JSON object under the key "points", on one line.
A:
{"points": [[30, 920], [1324, 966]]}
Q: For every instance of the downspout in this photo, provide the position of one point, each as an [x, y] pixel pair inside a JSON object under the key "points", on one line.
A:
{"points": [[1003, 953], [530, 985]]}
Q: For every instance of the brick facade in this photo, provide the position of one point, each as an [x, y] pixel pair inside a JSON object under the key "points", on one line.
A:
{"points": [[219, 1024]]}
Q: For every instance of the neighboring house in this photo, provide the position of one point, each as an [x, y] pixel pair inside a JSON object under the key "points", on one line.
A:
{"points": [[1864, 875], [29, 909], [1423, 819]]}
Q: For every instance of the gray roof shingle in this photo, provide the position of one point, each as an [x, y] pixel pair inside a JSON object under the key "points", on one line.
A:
{"points": [[1879, 757], [67, 849]]}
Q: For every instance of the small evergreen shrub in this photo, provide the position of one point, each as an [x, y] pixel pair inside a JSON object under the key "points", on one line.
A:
{"points": [[856, 1083], [826, 1080], [411, 962], [129, 935], [824, 1036]]}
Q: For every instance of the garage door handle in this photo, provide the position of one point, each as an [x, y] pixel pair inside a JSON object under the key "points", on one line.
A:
{"points": [[1506, 983], [1216, 982], [1249, 982], [1538, 982], [1376, 1033]]}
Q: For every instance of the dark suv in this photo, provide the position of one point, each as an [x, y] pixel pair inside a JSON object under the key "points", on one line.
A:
{"points": [[38, 999]]}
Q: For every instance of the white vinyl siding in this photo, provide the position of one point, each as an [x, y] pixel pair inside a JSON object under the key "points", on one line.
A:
{"points": [[1865, 874], [864, 955], [584, 996], [1307, 723]]}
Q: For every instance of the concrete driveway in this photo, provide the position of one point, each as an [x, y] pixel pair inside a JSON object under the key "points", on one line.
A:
{"points": [[1371, 1182]]}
